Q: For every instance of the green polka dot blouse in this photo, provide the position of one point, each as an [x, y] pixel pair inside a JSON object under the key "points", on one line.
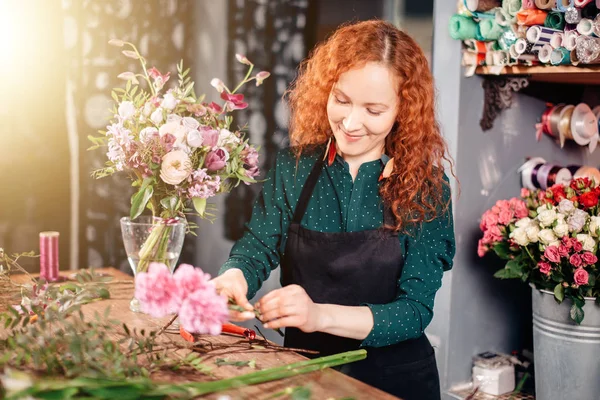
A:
{"points": [[339, 204]]}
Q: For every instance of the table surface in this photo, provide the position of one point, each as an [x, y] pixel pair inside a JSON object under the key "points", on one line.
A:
{"points": [[326, 384]]}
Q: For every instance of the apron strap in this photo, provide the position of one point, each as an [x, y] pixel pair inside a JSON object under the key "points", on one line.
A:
{"points": [[307, 190]]}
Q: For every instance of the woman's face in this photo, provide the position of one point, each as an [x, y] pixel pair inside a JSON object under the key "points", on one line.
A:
{"points": [[362, 108]]}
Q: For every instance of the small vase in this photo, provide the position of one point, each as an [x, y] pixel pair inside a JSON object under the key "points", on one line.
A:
{"points": [[149, 239]]}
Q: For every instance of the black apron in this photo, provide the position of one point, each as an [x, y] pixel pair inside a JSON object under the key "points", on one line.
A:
{"points": [[351, 269]]}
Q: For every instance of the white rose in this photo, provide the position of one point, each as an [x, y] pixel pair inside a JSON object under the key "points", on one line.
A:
{"points": [[547, 236], [520, 236], [523, 222], [126, 110], [547, 217], [561, 229], [174, 118], [227, 137], [147, 108], [169, 102], [175, 129], [594, 225], [532, 232], [566, 206], [157, 116], [577, 220], [147, 133], [194, 138], [587, 242], [175, 168], [190, 123], [556, 243]]}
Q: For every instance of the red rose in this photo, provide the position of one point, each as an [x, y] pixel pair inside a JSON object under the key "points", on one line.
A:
{"points": [[581, 276], [581, 183], [558, 192], [589, 199], [589, 258]]}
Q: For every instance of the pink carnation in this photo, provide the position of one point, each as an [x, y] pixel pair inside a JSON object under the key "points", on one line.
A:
{"points": [[581, 276], [204, 312], [156, 291], [481, 248], [552, 254], [544, 267], [576, 260], [190, 279], [589, 258], [520, 208], [505, 216], [525, 192]]}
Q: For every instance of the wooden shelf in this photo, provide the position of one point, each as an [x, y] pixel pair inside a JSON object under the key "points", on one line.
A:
{"points": [[588, 75], [465, 391]]}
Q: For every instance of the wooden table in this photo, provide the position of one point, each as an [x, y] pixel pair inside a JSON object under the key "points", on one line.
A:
{"points": [[326, 384]]}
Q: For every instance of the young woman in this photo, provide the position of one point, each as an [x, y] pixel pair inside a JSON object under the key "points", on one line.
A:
{"points": [[357, 212]]}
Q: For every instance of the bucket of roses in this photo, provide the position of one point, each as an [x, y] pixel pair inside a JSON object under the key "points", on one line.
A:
{"points": [[550, 240], [179, 152]]}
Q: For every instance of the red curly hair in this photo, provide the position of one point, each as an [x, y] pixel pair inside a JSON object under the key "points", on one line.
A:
{"points": [[415, 189]]}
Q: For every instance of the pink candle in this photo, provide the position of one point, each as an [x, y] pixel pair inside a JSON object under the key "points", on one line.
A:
{"points": [[49, 256]]}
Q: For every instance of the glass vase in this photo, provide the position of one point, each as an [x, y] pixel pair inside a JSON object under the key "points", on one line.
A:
{"points": [[149, 239]]}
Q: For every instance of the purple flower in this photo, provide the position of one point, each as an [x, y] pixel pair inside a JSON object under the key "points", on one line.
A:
{"points": [[216, 159], [234, 101], [203, 185]]}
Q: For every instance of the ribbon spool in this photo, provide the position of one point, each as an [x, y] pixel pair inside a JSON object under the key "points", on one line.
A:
{"points": [[564, 124], [585, 27], [527, 4], [584, 126], [502, 18], [588, 172], [564, 5], [588, 49], [490, 30], [572, 15], [539, 35], [570, 40], [545, 4], [49, 256], [545, 53], [582, 3], [557, 39], [529, 171], [555, 20], [482, 5], [549, 175], [560, 56], [522, 46], [574, 58], [462, 28], [550, 120], [531, 17]]}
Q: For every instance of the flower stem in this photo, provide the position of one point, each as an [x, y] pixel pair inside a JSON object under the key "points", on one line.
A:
{"points": [[245, 79]]}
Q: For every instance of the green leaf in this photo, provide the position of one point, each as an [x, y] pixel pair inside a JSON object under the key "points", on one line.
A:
{"points": [[141, 198], [301, 393], [199, 205], [577, 314], [169, 203], [66, 393], [505, 273], [502, 250], [559, 293]]}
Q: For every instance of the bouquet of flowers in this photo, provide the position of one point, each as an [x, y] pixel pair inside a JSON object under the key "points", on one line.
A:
{"points": [[178, 150], [550, 238]]}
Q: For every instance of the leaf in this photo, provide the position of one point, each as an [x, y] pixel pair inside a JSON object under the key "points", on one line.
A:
{"points": [[301, 393], [224, 361], [169, 203], [559, 293], [505, 273], [199, 205], [141, 198], [577, 314], [66, 393], [502, 250]]}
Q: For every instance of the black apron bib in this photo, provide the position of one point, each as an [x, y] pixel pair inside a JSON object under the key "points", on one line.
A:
{"points": [[350, 269]]}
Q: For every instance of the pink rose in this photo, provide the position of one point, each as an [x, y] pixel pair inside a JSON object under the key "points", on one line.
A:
{"points": [[544, 267], [506, 215], [487, 238], [577, 246], [216, 160], [496, 233], [563, 250], [589, 258], [525, 192], [576, 260], [488, 219], [481, 248], [210, 137], [552, 254], [521, 210], [581, 276]]}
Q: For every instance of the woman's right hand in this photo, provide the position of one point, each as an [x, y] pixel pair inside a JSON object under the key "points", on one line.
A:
{"points": [[233, 285]]}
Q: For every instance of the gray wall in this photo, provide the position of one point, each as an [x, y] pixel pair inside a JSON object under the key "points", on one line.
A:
{"points": [[474, 311]]}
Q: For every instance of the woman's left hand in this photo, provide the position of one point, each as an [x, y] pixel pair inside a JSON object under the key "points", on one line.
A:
{"points": [[289, 306]]}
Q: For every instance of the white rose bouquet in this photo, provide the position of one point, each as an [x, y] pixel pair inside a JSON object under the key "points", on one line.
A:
{"points": [[550, 238], [178, 150]]}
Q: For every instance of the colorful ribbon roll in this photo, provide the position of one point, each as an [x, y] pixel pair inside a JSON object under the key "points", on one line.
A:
{"points": [[585, 27], [588, 50], [570, 39], [502, 18], [582, 3], [560, 56], [574, 59], [528, 4], [531, 16], [490, 30], [572, 15], [557, 39], [545, 4], [462, 28], [522, 46], [528, 172], [597, 25], [550, 120], [584, 126], [539, 35], [564, 124], [545, 53], [564, 5], [555, 20], [500, 57], [482, 5], [470, 58]]}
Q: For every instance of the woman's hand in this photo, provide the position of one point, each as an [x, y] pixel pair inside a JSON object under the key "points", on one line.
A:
{"points": [[233, 285], [289, 306]]}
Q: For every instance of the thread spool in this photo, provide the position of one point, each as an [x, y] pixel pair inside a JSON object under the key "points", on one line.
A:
{"points": [[49, 256]]}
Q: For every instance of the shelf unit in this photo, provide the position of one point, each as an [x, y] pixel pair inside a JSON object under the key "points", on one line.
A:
{"points": [[588, 75]]}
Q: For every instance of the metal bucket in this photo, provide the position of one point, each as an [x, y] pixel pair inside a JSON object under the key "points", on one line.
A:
{"points": [[566, 355]]}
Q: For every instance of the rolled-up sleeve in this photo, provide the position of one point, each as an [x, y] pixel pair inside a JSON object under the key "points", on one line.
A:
{"points": [[427, 255]]}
